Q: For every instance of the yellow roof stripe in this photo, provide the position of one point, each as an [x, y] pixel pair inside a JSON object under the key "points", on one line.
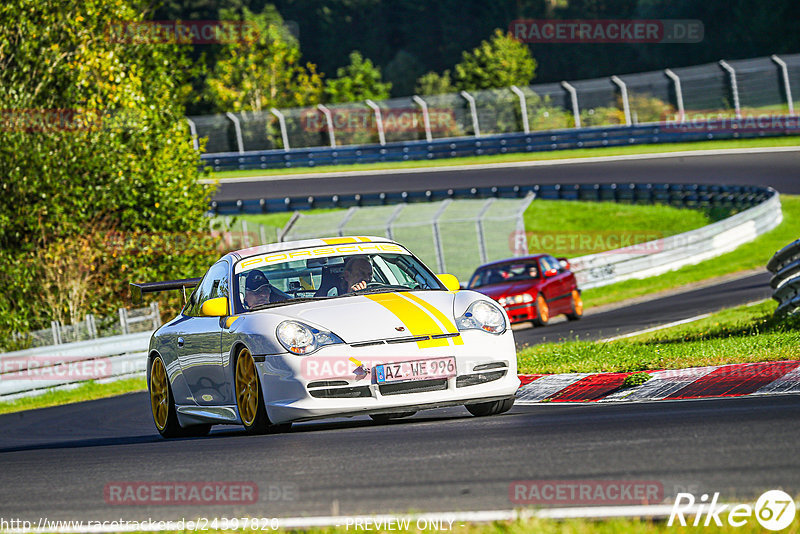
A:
{"points": [[346, 240], [418, 322], [340, 241]]}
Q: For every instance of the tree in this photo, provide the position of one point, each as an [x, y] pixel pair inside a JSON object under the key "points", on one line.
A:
{"points": [[91, 132], [433, 83], [357, 81], [499, 62], [264, 71], [402, 71]]}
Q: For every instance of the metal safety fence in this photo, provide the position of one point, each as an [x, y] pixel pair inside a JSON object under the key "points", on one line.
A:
{"points": [[725, 89], [453, 235], [92, 327], [785, 282]]}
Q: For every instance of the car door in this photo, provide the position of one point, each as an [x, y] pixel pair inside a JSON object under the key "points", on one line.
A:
{"points": [[549, 285], [199, 341], [560, 286]]}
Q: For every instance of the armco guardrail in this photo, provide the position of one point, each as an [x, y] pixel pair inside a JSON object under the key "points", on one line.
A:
{"points": [[726, 128], [29, 370], [785, 266], [657, 257]]}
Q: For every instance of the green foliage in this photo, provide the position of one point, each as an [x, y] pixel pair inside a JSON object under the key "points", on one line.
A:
{"points": [[262, 72], [433, 83], [92, 142], [500, 62], [402, 71], [357, 81]]}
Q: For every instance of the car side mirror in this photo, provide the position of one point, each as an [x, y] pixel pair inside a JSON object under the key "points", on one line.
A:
{"points": [[450, 282], [217, 307], [549, 273]]}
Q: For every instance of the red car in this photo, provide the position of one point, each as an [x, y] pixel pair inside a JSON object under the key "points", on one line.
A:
{"points": [[531, 288]]}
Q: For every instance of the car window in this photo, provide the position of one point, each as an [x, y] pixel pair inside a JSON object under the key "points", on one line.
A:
{"points": [[214, 284], [323, 274], [548, 262]]}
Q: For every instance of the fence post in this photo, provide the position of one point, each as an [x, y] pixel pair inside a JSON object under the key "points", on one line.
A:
{"points": [[623, 89], [473, 111], [678, 93], [91, 327], [54, 328], [426, 120], [347, 216], [734, 87], [193, 131], [329, 119], [123, 320], [523, 109], [437, 239], [282, 123], [786, 87], [245, 234], [238, 129], [479, 228], [378, 120], [156, 314], [395, 214], [573, 95], [262, 232]]}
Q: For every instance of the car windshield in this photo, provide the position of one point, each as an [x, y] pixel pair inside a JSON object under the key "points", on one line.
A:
{"points": [[506, 272], [288, 277]]}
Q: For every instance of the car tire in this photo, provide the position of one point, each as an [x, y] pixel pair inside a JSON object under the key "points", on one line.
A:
{"points": [[542, 311], [577, 306], [249, 400], [162, 405], [383, 418], [483, 409]]}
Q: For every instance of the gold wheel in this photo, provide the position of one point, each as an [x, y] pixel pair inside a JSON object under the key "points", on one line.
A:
{"points": [[159, 394], [246, 388], [577, 302], [544, 310]]}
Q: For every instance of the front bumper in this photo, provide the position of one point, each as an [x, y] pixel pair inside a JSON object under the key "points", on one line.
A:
{"points": [[328, 383], [521, 312]]}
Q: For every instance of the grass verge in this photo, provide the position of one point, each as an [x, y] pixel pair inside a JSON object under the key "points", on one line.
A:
{"points": [[738, 335], [526, 156], [543, 526], [89, 391]]}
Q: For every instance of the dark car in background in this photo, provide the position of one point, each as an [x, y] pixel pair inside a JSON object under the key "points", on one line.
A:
{"points": [[530, 288]]}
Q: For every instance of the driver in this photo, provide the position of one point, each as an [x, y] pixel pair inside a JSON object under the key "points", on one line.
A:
{"points": [[356, 274], [257, 289]]}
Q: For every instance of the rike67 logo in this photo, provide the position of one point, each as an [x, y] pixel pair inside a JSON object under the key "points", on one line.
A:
{"points": [[774, 510]]}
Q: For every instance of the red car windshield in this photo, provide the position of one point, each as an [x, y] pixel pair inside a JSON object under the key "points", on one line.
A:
{"points": [[506, 272]]}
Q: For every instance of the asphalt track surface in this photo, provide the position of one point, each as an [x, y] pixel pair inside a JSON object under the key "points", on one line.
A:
{"points": [[56, 462], [780, 170], [676, 307]]}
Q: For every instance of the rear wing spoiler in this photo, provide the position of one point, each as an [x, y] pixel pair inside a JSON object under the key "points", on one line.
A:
{"points": [[137, 290]]}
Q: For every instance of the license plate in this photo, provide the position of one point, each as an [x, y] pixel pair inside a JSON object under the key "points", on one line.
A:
{"points": [[415, 370]]}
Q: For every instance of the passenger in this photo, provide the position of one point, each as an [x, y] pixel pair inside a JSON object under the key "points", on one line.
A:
{"points": [[258, 290]]}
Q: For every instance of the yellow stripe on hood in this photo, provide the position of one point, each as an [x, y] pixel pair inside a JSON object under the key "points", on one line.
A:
{"points": [[418, 322]]}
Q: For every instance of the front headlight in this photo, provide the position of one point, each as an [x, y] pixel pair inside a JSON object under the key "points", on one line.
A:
{"points": [[482, 315], [299, 338]]}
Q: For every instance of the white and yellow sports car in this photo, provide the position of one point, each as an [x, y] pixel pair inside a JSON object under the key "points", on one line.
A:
{"points": [[325, 327]]}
